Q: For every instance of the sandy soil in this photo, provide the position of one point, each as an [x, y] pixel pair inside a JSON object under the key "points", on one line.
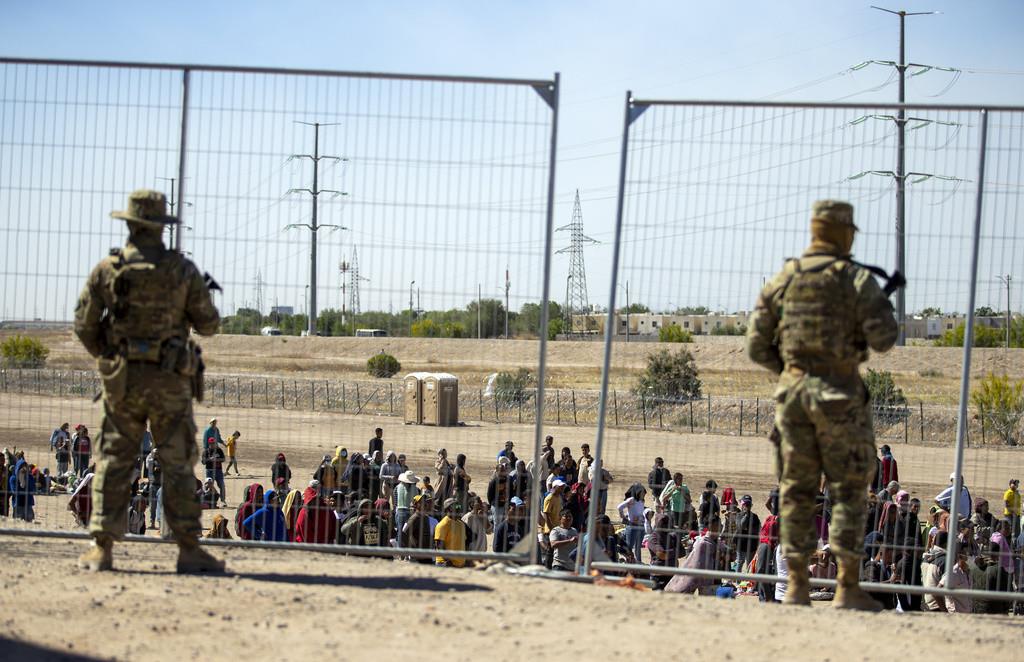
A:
{"points": [[930, 374], [742, 462], [291, 605]]}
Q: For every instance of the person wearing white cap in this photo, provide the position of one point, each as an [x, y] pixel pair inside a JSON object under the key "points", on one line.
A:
{"points": [[404, 493], [945, 497], [211, 435]]}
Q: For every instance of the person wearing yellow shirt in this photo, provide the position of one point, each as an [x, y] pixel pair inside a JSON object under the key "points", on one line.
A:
{"points": [[230, 445], [450, 534], [1012, 505], [553, 504]]}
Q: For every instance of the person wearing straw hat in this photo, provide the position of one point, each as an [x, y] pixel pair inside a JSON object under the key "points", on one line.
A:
{"points": [[813, 325], [135, 316], [404, 494]]}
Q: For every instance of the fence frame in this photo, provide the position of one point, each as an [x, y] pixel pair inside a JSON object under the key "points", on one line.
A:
{"points": [[633, 109], [547, 89]]}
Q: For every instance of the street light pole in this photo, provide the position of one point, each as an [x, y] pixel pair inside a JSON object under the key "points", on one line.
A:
{"points": [[1007, 280]]}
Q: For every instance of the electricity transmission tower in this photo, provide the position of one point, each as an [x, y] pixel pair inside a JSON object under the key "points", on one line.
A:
{"points": [[576, 284], [312, 226], [350, 279], [900, 175], [259, 292]]}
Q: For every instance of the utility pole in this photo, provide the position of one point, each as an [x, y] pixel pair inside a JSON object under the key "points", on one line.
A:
{"points": [[412, 312], [508, 284], [313, 227], [901, 180], [1006, 280], [627, 311]]}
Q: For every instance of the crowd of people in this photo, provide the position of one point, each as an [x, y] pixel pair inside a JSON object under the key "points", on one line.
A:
{"points": [[373, 498]]}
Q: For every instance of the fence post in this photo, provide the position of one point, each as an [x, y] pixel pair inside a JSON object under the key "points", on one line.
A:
{"points": [[252, 395], [359, 406], [480, 393], [344, 406], [906, 424], [327, 393], [391, 397], [60, 386], [691, 414], [661, 420], [709, 412], [921, 405], [520, 399], [312, 395], [558, 406], [643, 409], [615, 399], [741, 417], [757, 417], [295, 387], [575, 421], [981, 416], [282, 395], [497, 416]]}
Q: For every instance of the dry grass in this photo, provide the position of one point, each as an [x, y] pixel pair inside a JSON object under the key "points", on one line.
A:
{"points": [[929, 374]]}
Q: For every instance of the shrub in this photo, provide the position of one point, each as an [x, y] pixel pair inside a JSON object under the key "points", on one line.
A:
{"points": [[513, 387], [24, 352], [383, 365], [674, 333], [1000, 403], [889, 403], [736, 330], [984, 336], [669, 377]]}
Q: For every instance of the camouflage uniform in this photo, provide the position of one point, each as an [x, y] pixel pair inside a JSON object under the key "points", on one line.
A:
{"points": [[134, 315], [813, 325]]}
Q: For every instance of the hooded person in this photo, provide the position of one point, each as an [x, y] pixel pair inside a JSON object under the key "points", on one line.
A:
{"points": [[290, 508], [365, 529], [22, 488], [389, 473], [219, 529], [315, 522], [253, 500], [279, 469], [267, 523]]}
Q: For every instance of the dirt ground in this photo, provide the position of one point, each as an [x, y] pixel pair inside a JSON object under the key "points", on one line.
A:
{"points": [[745, 463], [929, 374], [292, 605]]}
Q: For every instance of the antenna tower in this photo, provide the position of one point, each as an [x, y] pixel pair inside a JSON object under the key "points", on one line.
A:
{"points": [[576, 303]]}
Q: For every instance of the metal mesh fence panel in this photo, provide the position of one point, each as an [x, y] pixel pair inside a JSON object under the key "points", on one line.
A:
{"points": [[390, 215], [715, 196]]}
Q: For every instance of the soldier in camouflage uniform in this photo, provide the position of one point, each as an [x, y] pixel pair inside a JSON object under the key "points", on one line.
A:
{"points": [[812, 326], [135, 316]]}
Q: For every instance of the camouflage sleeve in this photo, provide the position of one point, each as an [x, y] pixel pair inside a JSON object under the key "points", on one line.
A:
{"points": [[199, 308], [89, 313], [875, 313], [762, 345]]}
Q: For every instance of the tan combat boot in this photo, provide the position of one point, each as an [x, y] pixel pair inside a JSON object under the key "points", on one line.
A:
{"points": [[848, 592], [193, 559], [99, 557], [798, 587]]}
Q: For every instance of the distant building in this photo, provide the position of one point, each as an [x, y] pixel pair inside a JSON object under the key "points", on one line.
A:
{"points": [[282, 310], [649, 325]]}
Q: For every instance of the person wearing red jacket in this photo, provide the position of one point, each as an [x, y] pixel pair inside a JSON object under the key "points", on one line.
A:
{"points": [[316, 522]]}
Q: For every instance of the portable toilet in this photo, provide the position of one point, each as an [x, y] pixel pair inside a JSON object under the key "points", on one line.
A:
{"points": [[440, 399], [413, 397]]}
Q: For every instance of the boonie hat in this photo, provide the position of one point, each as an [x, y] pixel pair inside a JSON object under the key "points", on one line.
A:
{"points": [[833, 211], [148, 207]]}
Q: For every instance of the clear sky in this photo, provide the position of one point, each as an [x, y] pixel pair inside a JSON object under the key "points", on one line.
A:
{"points": [[728, 50]]}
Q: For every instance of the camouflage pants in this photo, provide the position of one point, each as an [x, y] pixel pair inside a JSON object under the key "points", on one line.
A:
{"points": [[165, 400], [827, 430]]}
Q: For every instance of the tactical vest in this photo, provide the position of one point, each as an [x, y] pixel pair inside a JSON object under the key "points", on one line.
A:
{"points": [[148, 300], [818, 322]]}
